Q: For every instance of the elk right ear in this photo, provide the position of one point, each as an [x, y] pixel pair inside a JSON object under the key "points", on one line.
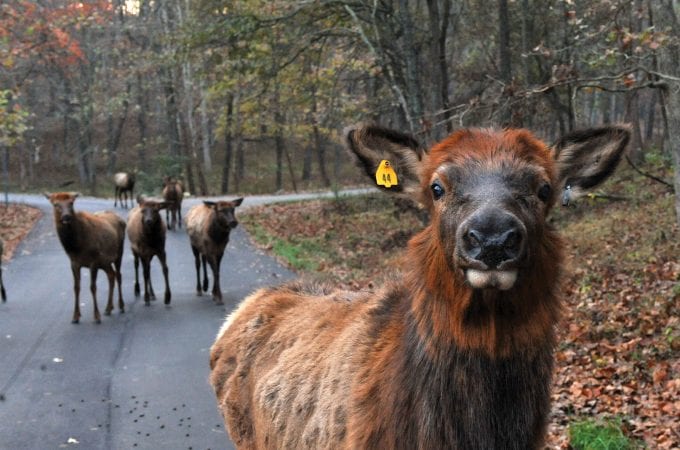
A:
{"points": [[371, 145]]}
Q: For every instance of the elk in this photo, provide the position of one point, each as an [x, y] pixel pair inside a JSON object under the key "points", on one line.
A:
{"points": [[208, 225], [3, 294], [455, 353], [125, 184], [146, 232], [173, 193], [90, 240]]}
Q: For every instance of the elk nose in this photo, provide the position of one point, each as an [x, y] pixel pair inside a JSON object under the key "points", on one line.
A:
{"points": [[495, 239], [233, 224]]}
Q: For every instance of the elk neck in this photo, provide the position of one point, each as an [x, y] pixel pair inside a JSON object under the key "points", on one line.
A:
{"points": [[449, 313]]}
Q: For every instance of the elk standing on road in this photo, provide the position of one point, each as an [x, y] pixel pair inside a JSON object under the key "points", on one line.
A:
{"points": [[208, 225], [125, 184], [94, 241], [146, 231], [458, 352], [173, 193]]}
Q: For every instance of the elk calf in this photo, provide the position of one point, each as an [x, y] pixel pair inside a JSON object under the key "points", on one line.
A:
{"points": [[146, 231], [208, 225], [173, 193], [3, 294], [457, 352], [94, 241], [125, 184]]}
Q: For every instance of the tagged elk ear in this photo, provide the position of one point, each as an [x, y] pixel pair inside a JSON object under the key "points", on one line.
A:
{"points": [[372, 145], [587, 158]]}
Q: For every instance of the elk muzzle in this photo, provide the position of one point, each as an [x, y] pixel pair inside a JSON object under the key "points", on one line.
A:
{"points": [[492, 243]]}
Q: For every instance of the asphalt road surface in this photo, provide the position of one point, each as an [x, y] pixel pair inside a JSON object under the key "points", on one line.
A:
{"points": [[138, 380]]}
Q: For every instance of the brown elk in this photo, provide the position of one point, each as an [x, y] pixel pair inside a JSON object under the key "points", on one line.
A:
{"points": [[208, 225], [94, 241], [125, 185], [458, 351], [3, 294], [173, 193], [146, 232]]}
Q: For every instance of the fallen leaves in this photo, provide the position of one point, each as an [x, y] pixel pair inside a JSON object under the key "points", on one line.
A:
{"points": [[16, 220]]}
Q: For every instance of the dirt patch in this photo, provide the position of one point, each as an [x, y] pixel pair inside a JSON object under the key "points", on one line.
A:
{"points": [[16, 220]]}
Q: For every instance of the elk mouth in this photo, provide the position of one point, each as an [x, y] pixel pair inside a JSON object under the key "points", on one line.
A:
{"points": [[491, 279]]}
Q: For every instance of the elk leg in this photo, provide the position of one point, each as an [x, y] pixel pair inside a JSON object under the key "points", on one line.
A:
{"points": [[161, 257], [205, 274], [119, 280], [3, 294], [136, 275], [93, 290], [111, 275], [197, 262], [76, 290], [146, 266], [215, 266], [115, 198]]}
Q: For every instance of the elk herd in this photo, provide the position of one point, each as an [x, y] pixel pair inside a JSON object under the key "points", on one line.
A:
{"points": [[96, 240], [457, 352]]}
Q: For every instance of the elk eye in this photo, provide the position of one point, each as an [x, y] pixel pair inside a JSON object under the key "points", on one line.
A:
{"points": [[544, 192], [437, 190]]}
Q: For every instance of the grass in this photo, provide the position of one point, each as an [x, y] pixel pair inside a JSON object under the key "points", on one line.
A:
{"points": [[599, 435]]}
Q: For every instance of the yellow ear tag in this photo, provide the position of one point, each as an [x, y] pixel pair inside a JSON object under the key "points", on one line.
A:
{"points": [[385, 175]]}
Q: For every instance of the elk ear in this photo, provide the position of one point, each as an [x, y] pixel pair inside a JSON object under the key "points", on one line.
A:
{"points": [[586, 158], [371, 144], [47, 195], [209, 204], [237, 202]]}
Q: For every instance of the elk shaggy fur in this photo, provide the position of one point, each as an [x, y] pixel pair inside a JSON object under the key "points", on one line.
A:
{"points": [[124, 186], [208, 225], [173, 193], [455, 353], [146, 232], [94, 241]]}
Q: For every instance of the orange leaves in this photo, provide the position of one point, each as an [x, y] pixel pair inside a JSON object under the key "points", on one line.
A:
{"points": [[48, 31]]}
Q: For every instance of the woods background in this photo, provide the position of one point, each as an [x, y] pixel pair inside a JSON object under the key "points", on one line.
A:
{"points": [[250, 96]]}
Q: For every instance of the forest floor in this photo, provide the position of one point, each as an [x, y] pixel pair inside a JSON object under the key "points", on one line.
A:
{"points": [[619, 340], [16, 220]]}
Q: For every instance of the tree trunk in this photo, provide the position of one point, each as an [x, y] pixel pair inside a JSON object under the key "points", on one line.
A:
{"points": [[440, 19], [142, 106], [412, 67], [505, 63], [226, 168], [205, 128], [669, 63]]}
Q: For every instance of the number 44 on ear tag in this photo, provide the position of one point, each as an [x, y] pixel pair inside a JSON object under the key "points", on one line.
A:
{"points": [[385, 175]]}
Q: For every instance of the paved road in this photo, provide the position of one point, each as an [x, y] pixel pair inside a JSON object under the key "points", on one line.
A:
{"points": [[138, 380]]}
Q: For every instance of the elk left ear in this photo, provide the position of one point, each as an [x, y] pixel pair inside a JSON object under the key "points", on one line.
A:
{"points": [[586, 158], [237, 202]]}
